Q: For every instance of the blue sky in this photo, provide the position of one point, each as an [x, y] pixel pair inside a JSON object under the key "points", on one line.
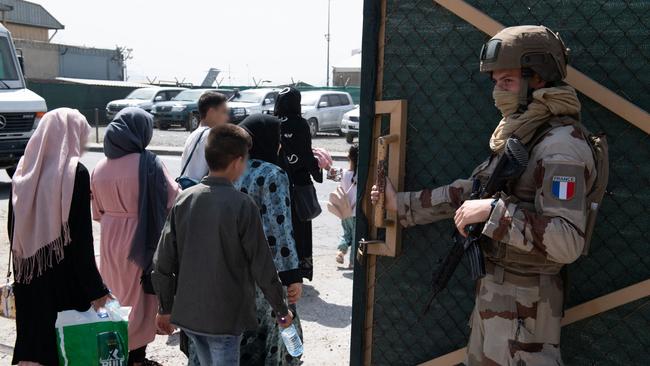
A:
{"points": [[273, 40]]}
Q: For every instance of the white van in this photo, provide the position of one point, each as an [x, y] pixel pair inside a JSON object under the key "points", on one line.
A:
{"points": [[20, 108]]}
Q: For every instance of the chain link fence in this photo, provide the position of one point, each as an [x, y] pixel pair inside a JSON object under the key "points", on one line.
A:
{"points": [[431, 59]]}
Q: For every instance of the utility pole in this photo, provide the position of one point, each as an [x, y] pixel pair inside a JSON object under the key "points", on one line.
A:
{"points": [[327, 37], [123, 54]]}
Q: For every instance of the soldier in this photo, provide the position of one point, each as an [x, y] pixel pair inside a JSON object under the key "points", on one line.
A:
{"points": [[538, 225]]}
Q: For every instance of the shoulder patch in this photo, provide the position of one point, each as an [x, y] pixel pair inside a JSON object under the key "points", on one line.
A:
{"points": [[563, 187]]}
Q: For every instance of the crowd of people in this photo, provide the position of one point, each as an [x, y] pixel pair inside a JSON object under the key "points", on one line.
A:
{"points": [[219, 253]]}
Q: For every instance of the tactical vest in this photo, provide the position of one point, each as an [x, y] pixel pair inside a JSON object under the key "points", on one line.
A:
{"points": [[535, 261]]}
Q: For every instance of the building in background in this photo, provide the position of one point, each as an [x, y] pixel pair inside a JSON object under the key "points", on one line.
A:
{"points": [[348, 72], [30, 25]]}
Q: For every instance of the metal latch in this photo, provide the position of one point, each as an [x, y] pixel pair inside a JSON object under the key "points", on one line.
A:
{"points": [[363, 248]]}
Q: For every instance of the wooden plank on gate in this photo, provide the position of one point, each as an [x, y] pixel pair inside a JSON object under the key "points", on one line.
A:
{"points": [[579, 312], [366, 205]]}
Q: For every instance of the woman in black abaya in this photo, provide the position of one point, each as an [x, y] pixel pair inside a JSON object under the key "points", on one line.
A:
{"points": [[302, 167]]}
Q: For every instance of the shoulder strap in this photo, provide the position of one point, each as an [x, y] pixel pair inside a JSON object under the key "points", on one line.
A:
{"points": [[189, 158], [541, 131], [547, 126], [11, 245]]}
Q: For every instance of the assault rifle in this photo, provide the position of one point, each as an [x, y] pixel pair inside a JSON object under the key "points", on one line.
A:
{"points": [[511, 165]]}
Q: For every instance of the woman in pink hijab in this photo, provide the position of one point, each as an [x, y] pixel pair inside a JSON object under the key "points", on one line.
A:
{"points": [[50, 231]]}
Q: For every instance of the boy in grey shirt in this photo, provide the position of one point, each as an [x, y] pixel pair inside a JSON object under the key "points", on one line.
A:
{"points": [[211, 254]]}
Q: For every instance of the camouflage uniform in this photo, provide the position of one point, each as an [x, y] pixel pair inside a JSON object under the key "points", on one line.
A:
{"points": [[538, 225], [534, 233]]}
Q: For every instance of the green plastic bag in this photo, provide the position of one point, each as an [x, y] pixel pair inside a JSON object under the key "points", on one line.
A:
{"points": [[93, 337]]}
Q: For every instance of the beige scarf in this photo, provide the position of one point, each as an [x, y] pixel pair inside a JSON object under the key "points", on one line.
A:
{"points": [[546, 102], [42, 192]]}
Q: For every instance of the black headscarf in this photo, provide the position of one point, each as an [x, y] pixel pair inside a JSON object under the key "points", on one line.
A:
{"points": [[287, 104], [130, 132], [298, 158], [265, 133]]}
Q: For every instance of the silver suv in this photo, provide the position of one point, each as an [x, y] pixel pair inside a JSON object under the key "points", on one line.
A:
{"points": [[250, 101], [324, 110]]}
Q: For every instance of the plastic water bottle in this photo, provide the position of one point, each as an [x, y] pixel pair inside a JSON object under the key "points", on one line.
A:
{"points": [[291, 339], [112, 306]]}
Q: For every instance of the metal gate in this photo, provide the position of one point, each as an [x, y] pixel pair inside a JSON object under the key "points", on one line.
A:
{"points": [[426, 53]]}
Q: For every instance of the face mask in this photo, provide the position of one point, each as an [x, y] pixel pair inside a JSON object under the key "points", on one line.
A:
{"points": [[507, 102]]}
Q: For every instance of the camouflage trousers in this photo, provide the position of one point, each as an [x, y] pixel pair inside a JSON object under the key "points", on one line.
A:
{"points": [[516, 320]]}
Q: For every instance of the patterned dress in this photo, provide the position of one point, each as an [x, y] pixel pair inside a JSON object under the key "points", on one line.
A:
{"points": [[268, 185]]}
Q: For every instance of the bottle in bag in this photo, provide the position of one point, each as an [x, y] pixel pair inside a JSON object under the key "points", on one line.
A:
{"points": [[291, 339]]}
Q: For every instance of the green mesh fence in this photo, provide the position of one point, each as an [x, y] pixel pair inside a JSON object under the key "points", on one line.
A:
{"points": [[431, 59]]}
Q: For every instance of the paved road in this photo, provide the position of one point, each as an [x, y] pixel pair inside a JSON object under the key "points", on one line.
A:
{"points": [[176, 138], [325, 308]]}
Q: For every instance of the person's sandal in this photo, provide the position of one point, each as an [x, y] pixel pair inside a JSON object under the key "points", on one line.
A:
{"points": [[340, 257]]}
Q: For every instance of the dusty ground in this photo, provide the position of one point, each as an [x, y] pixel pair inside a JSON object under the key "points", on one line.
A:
{"points": [[325, 308], [177, 136]]}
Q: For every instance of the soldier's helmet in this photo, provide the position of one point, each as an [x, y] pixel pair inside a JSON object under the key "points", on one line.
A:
{"points": [[526, 47]]}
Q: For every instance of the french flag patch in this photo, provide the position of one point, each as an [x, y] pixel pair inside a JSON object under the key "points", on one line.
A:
{"points": [[564, 188]]}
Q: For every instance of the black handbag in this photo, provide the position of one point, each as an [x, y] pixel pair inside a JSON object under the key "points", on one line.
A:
{"points": [[306, 202], [147, 284]]}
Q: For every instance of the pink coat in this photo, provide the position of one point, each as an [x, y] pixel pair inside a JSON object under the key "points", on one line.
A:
{"points": [[114, 186]]}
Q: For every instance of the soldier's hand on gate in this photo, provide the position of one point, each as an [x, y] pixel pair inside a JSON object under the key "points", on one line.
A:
{"points": [[391, 195], [472, 212]]}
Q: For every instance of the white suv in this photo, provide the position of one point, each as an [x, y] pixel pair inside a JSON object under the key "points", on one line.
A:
{"points": [[250, 101], [324, 110], [350, 125]]}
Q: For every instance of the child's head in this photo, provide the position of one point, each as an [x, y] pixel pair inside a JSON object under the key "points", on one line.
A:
{"points": [[226, 151], [213, 108], [353, 156]]}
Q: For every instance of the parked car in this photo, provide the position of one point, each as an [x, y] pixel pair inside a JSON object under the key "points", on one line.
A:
{"points": [[144, 98], [250, 101], [20, 108], [182, 110], [324, 110], [350, 125]]}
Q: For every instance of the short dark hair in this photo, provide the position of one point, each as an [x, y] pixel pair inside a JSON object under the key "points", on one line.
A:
{"points": [[353, 155], [210, 99], [225, 144]]}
